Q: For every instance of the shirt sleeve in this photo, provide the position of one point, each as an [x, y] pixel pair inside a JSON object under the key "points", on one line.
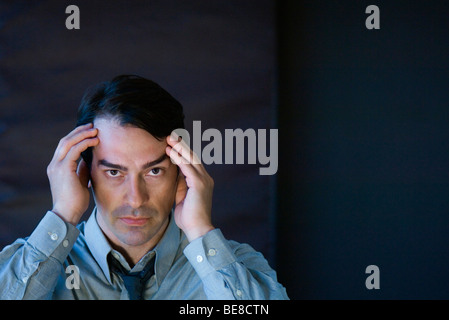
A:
{"points": [[230, 270], [29, 268]]}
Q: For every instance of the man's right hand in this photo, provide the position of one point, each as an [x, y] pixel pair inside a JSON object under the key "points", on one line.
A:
{"points": [[68, 179]]}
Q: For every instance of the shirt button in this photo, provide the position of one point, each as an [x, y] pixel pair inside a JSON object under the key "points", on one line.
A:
{"points": [[199, 258], [24, 279], [65, 243], [238, 293], [212, 252], [53, 236]]}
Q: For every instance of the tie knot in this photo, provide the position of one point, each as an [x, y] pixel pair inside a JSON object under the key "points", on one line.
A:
{"points": [[134, 281]]}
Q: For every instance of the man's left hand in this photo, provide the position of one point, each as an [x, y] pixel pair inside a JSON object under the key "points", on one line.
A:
{"points": [[194, 190]]}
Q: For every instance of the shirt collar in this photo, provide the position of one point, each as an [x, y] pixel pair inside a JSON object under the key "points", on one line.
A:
{"points": [[166, 249], [98, 244]]}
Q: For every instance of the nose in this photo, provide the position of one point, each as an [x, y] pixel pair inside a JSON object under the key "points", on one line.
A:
{"points": [[137, 193]]}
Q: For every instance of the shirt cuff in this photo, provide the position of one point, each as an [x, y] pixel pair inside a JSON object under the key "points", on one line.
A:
{"points": [[209, 253], [54, 237]]}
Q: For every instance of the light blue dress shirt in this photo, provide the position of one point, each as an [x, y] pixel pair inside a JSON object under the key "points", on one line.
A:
{"points": [[59, 261]]}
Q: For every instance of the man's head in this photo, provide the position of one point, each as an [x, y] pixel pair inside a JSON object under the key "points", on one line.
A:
{"points": [[134, 181], [132, 101]]}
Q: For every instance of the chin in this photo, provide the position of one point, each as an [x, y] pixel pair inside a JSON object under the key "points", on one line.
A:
{"points": [[134, 237]]}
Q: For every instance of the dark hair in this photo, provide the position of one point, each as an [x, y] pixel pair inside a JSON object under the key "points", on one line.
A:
{"points": [[131, 100]]}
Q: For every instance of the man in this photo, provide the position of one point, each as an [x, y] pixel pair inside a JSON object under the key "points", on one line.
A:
{"points": [[150, 235]]}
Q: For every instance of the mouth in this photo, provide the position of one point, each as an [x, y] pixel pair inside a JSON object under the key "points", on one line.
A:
{"points": [[130, 221]]}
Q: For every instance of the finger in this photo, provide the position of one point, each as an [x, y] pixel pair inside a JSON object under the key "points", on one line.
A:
{"points": [[180, 153], [66, 143], [75, 131], [173, 138], [176, 142], [176, 155], [195, 176], [80, 128], [75, 152], [186, 168], [178, 145], [183, 149]]}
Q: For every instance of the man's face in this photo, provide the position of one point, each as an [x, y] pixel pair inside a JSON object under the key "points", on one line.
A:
{"points": [[134, 183]]}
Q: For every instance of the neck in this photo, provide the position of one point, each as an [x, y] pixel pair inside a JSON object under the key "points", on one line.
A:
{"points": [[130, 253]]}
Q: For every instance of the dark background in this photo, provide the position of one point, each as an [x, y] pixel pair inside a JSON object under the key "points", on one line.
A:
{"points": [[364, 140], [362, 118]]}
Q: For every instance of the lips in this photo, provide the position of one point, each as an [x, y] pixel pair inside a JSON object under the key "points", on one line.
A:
{"points": [[134, 221]]}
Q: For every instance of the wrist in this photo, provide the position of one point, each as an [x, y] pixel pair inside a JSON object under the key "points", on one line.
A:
{"points": [[198, 232], [69, 218]]}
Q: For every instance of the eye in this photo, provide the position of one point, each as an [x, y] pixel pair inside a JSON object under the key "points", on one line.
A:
{"points": [[155, 172], [113, 173]]}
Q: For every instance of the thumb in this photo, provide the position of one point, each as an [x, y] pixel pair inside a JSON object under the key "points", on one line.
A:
{"points": [[181, 189], [83, 173]]}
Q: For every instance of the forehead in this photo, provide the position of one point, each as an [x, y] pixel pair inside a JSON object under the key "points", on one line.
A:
{"points": [[126, 144]]}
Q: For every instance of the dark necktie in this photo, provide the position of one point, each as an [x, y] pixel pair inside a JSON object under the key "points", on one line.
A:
{"points": [[134, 281]]}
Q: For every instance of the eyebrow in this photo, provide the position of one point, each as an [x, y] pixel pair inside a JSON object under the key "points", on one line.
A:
{"points": [[147, 165]]}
